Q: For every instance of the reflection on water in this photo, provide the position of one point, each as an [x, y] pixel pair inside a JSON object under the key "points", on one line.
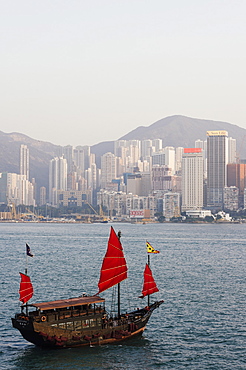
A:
{"points": [[100, 357]]}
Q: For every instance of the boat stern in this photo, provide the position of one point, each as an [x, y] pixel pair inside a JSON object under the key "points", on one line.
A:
{"points": [[25, 326]]}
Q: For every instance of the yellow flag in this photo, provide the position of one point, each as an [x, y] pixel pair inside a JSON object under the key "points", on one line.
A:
{"points": [[150, 249]]}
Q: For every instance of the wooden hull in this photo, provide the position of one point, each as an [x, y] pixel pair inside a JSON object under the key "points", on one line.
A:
{"points": [[49, 335]]}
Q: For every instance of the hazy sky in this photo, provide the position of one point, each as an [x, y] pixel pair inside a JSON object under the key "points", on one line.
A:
{"points": [[79, 72]]}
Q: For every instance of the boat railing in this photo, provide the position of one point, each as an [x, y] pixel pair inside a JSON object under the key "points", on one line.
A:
{"points": [[64, 314]]}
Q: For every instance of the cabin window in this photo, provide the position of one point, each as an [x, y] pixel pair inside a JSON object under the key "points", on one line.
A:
{"points": [[62, 325], [92, 322], [85, 323], [54, 325], [99, 322], [70, 325], [77, 325]]}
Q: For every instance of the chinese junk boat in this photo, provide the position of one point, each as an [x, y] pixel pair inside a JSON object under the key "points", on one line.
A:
{"points": [[84, 320]]}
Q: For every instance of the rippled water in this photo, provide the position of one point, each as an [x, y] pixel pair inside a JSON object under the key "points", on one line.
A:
{"points": [[201, 274]]}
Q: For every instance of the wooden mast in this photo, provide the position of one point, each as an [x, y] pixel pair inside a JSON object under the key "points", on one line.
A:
{"points": [[119, 236], [148, 294]]}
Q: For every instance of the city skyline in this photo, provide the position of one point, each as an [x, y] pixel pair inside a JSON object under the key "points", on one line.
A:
{"points": [[140, 177]]}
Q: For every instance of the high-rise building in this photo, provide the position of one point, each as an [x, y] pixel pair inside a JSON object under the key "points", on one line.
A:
{"points": [[157, 144], [42, 196], [108, 167], [19, 190], [161, 178], [87, 151], [146, 148], [79, 159], [178, 157], [232, 150], [118, 145], [169, 152], [171, 205], [68, 154], [57, 178], [203, 145], [230, 198], [217, 159], [133, 151], [192, 179], [24, 161], [236, 176], [158, 158], [3, 187]]}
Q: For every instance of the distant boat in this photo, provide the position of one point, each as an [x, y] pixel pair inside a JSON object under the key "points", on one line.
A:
{"points": [[84, 321], [104, 221]]}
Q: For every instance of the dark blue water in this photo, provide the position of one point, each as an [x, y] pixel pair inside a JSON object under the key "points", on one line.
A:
{"points": [[201, 274]]}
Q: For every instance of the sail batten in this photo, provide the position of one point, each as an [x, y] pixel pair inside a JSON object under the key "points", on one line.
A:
{"points": [[26, 288], [149, 285], [114, 268]]}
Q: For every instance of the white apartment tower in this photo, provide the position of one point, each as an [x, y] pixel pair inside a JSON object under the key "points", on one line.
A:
{"points": [[42, 196], [68, 154], [203, 145], [24, 161], [217, 159], [146, 148], [192, 179], [232, 150], [79, 159], [108, 168], [157, 144], [57, 178], [178, 158], [169, 152]]}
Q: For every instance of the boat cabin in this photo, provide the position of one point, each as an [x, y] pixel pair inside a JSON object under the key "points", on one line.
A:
{"points": [[66, 310]]}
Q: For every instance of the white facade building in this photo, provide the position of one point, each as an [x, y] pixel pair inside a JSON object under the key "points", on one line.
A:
{"points": [[57, 178], [24, 161], [108, 169], [178, 158], [19, 190], [146, 148], [169, 152], [232, 150]]}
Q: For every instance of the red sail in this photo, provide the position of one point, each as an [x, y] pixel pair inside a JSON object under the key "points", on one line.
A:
{"points": [[26, 288], [149, 285], [114, 268]]}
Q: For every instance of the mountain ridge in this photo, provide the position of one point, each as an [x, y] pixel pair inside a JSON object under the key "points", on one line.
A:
{"points": [[174, 131], [177, 127]]}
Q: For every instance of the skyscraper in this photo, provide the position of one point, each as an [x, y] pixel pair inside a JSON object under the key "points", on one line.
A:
{"points": [[108, 166], [192, 179], [236, 176], [24, 161], [217, 159], [169, 152], [57, 177], [42, 196], [232, 150], [146, 148]]}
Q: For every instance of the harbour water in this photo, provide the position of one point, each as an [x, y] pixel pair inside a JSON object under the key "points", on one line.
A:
{"points": [[200, 271]]}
